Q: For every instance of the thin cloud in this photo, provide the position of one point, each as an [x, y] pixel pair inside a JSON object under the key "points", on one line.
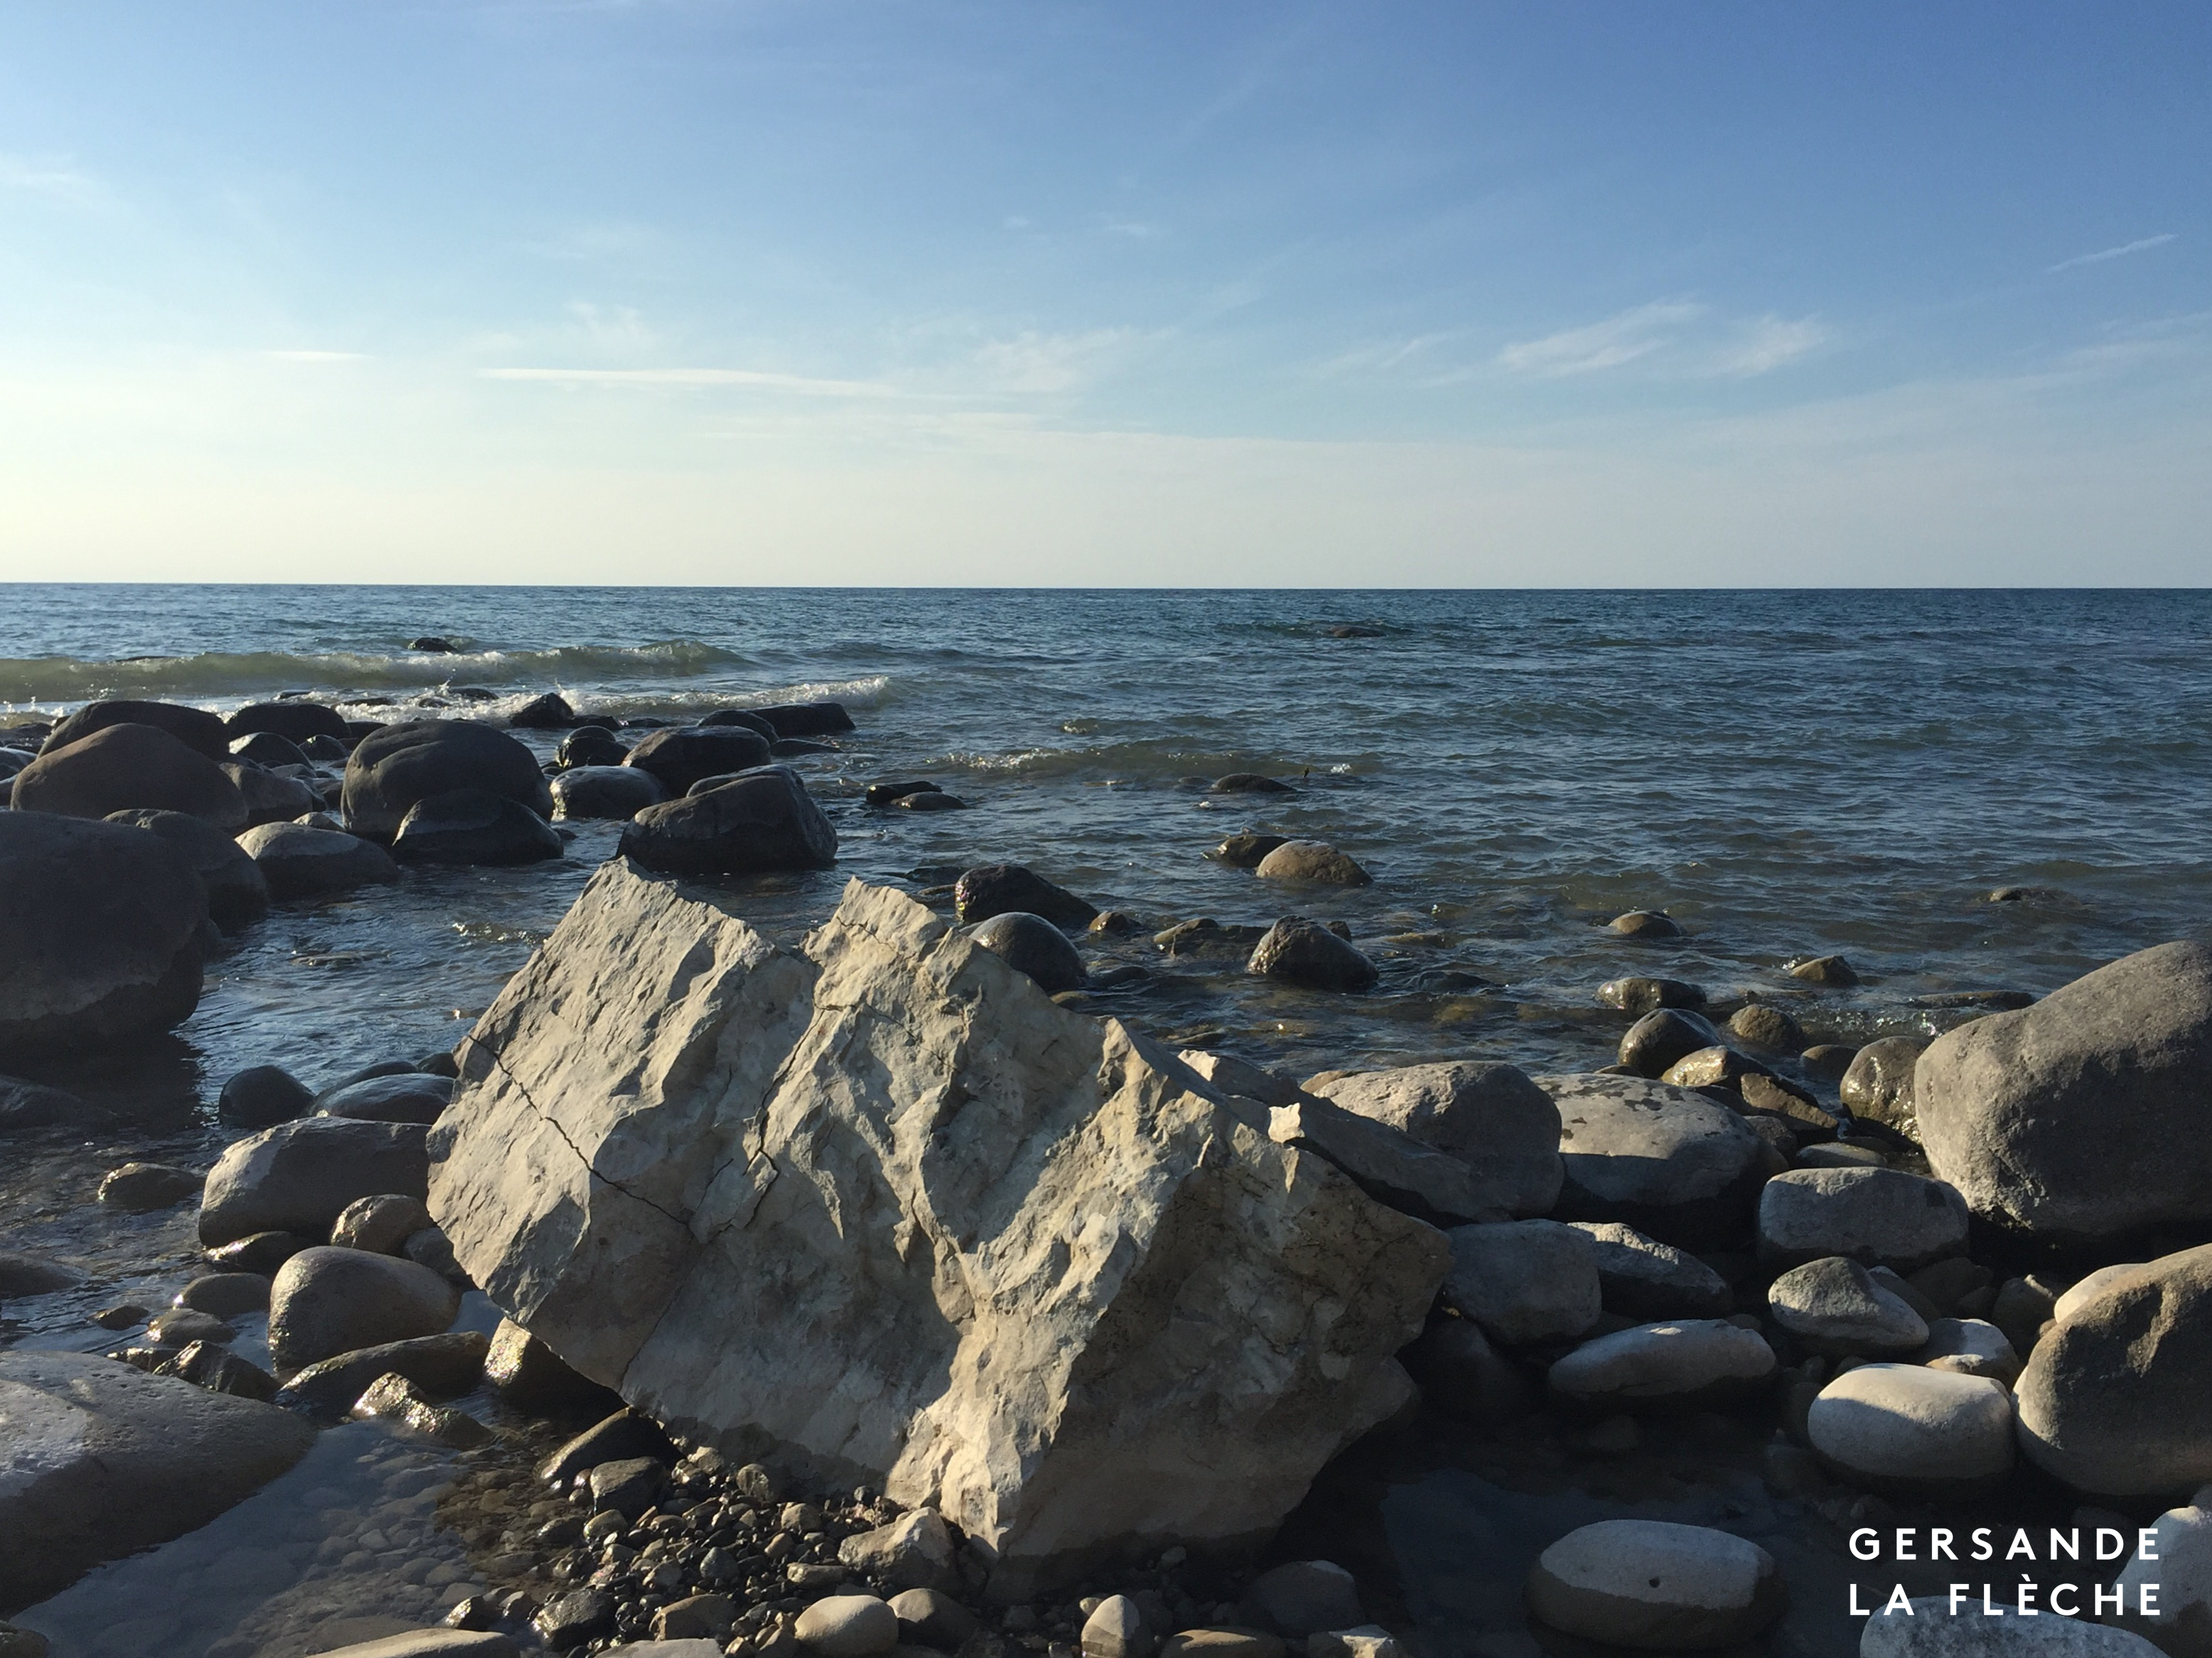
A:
{"points": [[1599, 345], [1136, 229], [317, 357], [1033, 361], [55, 179], [1768, 343], [1382, 356], [755, 379], [2120, 252]]}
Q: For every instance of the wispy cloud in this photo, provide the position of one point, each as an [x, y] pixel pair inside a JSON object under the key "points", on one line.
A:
{"points": [[1038, 363], [1135, 229], [55, 178], [1619, 338], [2141, 246], [755, 378], [1765, 343], [317, 357], [1381, 355], [620, 327]]}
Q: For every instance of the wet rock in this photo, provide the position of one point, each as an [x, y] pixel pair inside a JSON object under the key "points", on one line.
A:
{"points": [[474, 826], [144, 1187], [1907, 1430], [195, 728], [1767, 1027], [120, 767], [442, 1367], [214, 1367], [913, 1551], [1490, 1116], [380, 1224], [226, 1295], [1713, 1068], [1660, 1039], [680, 756], [2023, 1306], [929, 1617], [299, 1177], [549, 711], [1524, 1281], [430, 1644], [848, 1626], [2120, 1059], [992, 889], [180, 1325], [1460, 1373], [1648, 926], [625, 1434], [103, 935], [127, 1315], [1643, 996], [1972, 1347], [105, 1460], [272, 796], [1679, 1365], [532, 1376], [1763, 1091], [1652, 1584], [1666, 1161], [1202, 934], [2113, 1400], [822, 719], [932, 801], [298, 861], [393, 1398], [604, 791], [1303, 1597], [27, 1107], [1030, 944], [1248, 782], [259, 1253], [591, 747], [1879, 1217], [1315, 862], [266, 748], [1643, 1279], [263, 1095], [294, 719], [1878, 1083], [407, 1097], [764, 820], [1298, 951], [571, 1619], [1831, 971], [327, 1302], [629, 1486], [750, 1332], [1245, 850], [1114, 1629], [1930, 1631], [1835, 1308], [1829, 1061], [696, 1617], [238, 895], [395, 766]]}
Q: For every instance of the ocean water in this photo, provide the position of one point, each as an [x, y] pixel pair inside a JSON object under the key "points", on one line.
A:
{"points": [[1788, 774]]}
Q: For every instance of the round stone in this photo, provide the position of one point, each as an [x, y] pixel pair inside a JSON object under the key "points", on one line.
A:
{"points": [[1909, 1429], [1656, 1585], [848, 1626]]}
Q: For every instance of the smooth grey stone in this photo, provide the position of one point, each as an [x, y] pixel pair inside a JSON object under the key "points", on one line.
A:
{"points": [[327, 1302]]}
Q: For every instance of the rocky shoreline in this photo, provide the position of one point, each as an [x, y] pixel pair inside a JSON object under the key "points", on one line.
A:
{"points": [[1900, 1280]]}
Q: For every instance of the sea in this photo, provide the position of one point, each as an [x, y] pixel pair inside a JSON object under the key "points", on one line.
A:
{"points": [[1788, 774]]}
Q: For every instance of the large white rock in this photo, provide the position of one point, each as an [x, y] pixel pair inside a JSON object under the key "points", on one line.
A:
{"points": [[1930, 1631], [2182, 1626], [1677, 1365], [881, 1210], [1913, 1430], [1656, 1585]]}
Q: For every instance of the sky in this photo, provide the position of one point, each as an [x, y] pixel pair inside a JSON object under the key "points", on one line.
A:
{"points": [[1210, 293]]}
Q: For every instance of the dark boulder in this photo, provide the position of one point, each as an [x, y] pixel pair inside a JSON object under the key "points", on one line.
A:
{"points": [[294, 719], [103, 935], [274, 797], [198, 730], [798, 748], [761, 821], [1662, 1038], [744, 716], [807, 719], [262, 1096], [590, 745], [548, 712], [394, 767], [299, 1177], [436, 644], [118, 767], [444, 1366], [238, 895], [300, 861], [1246, 850], [680, 755], [1643, 996], [1831, 970], [1648, 925], [267, 748], [474, 826], [27, 1107], [1248, 782], [1030, 944], [1877, 1084], [1298, 951], [410, 1097], [613, 791], [892, 794], [991, 889]]}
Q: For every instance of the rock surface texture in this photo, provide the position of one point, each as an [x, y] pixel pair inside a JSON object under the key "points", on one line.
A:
{"points": [[1658, 1585], [883, 1211], [2120, 1060]]}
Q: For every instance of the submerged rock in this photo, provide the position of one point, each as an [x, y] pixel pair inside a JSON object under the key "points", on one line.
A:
{"points": [[1643, 996], [605, 791], [1013, 1184], [991, 889], [1031, 945], [1301, 951], [1315, 862], [1245, 849], [474, 826], [680, 755], [764, 820], [395, 766]]}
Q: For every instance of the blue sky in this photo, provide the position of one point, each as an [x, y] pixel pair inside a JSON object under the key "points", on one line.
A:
{"points": [[1628, 294]]}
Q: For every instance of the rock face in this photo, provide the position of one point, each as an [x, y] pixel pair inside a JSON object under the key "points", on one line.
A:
{"points": [[1665, 1160], [1905, 1428], [103, 935], [761, 822], [883, 1208], [1656, 1585], [2119, 1062], [392, 768], [299, 1177], [2113, 1401], [102, 1460], [121, 766], [1490, 1116]]}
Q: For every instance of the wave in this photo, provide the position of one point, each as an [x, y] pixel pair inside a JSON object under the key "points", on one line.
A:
{"points": [[215, 677]]}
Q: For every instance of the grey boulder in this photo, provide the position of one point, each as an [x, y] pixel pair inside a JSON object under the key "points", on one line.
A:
{"points": [[1301, 951], [298, 1177], [390, 769], [605, 791], [407, 1097], [238, 894], [1490, 1116], [325, 1302], [1666, 1161], [1030, 944], [1878, 1217], [1908, 1430], [1835, 1307], [1877, 1085], [474, 826], [1525, 1281], [1683, 1364], [762, 821], [301, 862], [1930, 1631], [120, 767], [680, 756], [1642, 1279]]}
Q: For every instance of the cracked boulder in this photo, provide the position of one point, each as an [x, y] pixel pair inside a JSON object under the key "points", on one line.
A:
{"points": [[878, 1211]]}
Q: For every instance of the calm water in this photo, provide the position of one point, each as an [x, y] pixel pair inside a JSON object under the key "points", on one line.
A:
{"points": [[1788, 774]]}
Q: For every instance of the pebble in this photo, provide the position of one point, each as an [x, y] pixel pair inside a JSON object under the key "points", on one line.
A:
{"points": [[1651, 1583]]}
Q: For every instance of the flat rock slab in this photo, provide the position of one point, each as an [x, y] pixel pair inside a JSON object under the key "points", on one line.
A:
{"points": [[98, 1459]]}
